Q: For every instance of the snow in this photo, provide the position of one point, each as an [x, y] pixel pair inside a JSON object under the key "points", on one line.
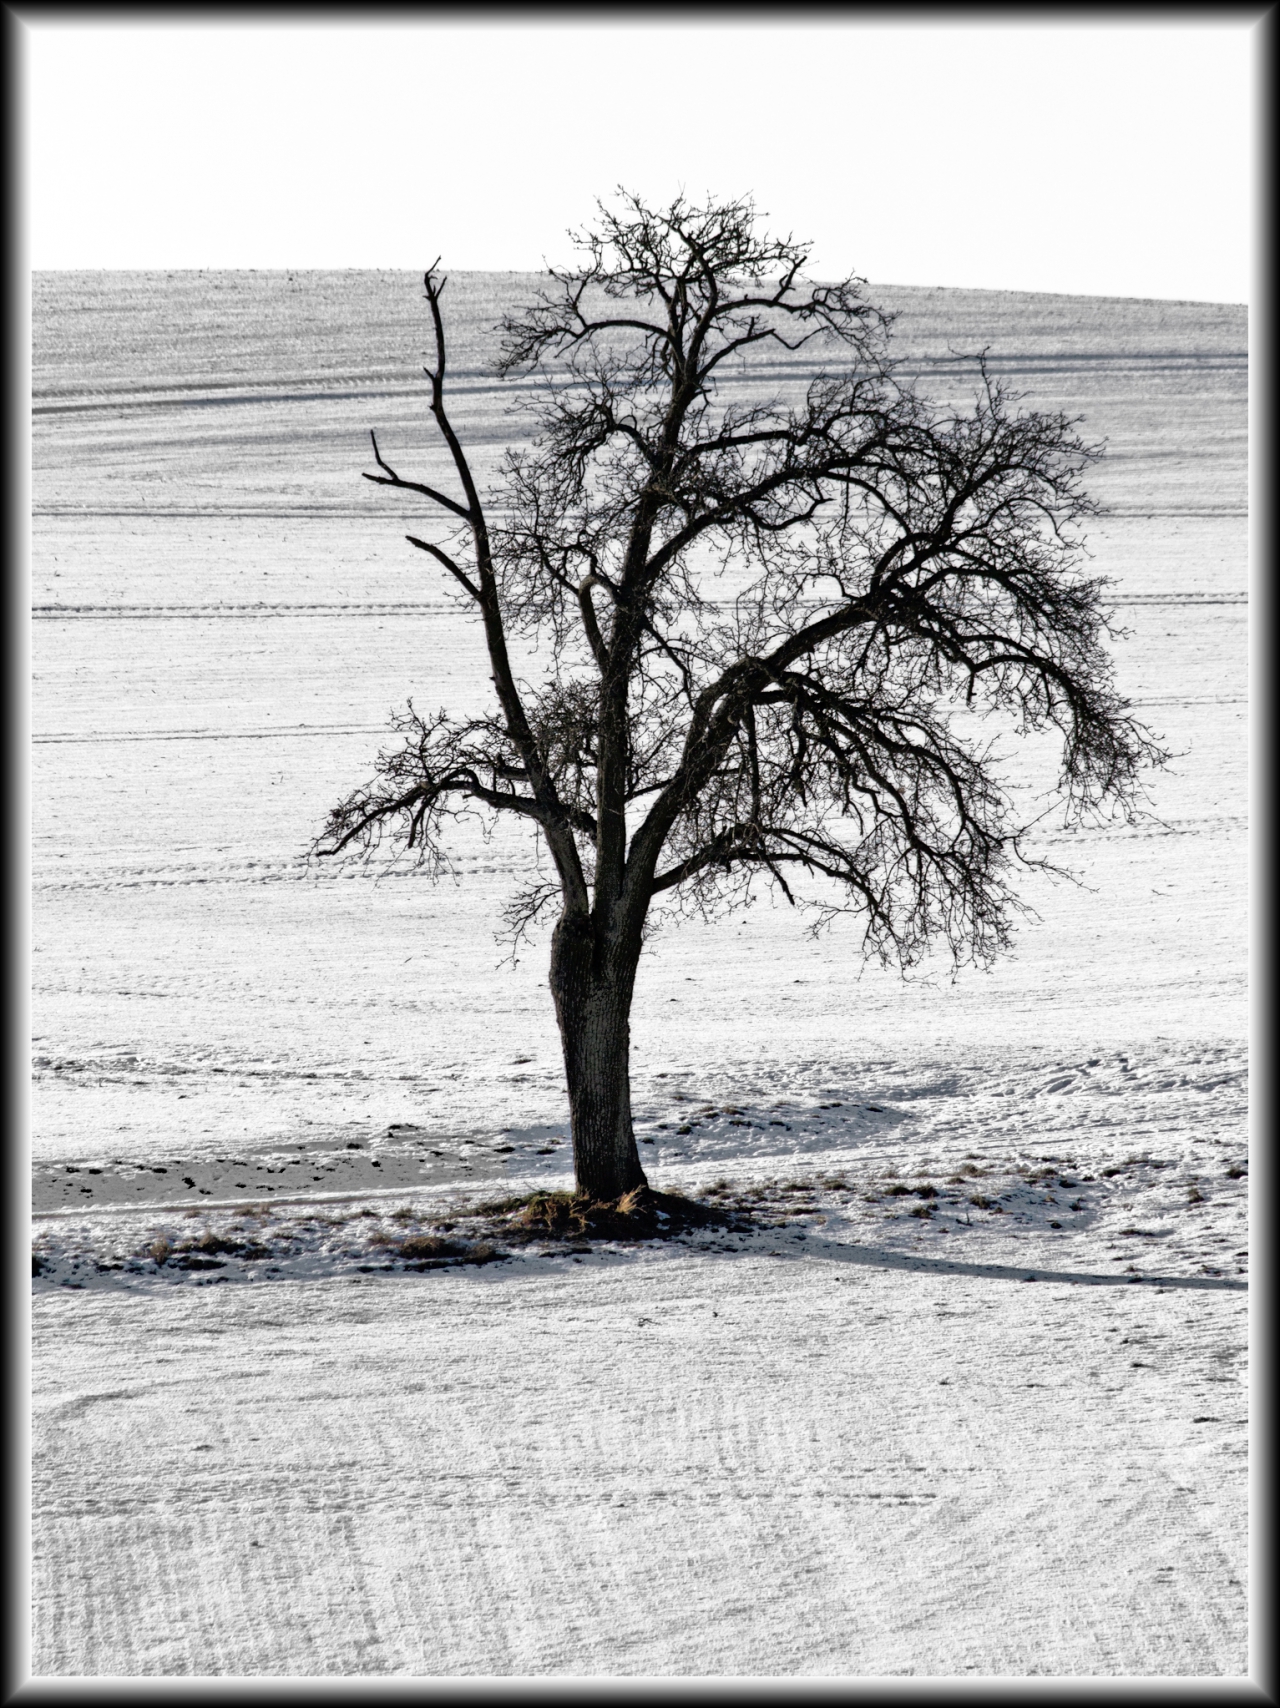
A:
{"points": [[732, 1465], [850, 1468]]}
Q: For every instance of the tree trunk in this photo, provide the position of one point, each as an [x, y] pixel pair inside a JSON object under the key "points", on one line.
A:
{"points": [[592, 986]]}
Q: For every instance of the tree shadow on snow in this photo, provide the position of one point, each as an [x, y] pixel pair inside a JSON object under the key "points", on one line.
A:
{"points": [[872, 1257]]}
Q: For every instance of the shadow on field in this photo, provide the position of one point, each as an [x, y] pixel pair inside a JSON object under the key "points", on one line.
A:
{"points": [[872, 1258]]}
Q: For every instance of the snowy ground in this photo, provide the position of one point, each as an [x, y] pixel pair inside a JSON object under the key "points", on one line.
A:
{"points": [[851, 1441], [730, 1464]]}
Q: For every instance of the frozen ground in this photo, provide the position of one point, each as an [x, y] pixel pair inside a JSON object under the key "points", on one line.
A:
{"points": [[859, 1444]]}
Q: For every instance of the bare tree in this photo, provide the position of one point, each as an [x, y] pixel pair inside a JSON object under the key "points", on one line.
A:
{"points": [[779, 633]]}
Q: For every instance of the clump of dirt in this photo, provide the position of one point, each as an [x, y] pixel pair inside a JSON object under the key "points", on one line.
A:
{"points": [[431, 1251], [429, 1245], [210, 1244], [205, 1252]]}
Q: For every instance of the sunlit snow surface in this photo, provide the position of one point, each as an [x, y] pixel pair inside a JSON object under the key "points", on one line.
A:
{"points": [[856, 1444]]}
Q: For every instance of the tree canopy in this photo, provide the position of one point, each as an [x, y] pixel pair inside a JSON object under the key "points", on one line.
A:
{"points": [[781, 623]]}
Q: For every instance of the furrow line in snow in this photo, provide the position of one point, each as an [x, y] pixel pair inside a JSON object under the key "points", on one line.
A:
{"points": [[203, 613], [49, 400], [209, 734], [401, 607]]}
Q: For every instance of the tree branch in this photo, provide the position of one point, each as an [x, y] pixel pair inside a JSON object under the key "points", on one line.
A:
{"points": [[391, 478], [449, 564]]}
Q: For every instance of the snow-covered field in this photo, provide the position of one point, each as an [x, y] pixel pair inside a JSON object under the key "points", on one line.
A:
{"points": [[856, 1442]]}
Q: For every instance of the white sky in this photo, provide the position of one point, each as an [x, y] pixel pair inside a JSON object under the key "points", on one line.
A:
{"points": [[1081, 157]]}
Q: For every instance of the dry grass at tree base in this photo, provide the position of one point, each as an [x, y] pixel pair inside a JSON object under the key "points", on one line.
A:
{"points": [[537, 1217], [641, 1214]]}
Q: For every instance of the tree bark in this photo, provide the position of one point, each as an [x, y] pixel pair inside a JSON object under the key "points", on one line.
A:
{"points": [[592, 984]]}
